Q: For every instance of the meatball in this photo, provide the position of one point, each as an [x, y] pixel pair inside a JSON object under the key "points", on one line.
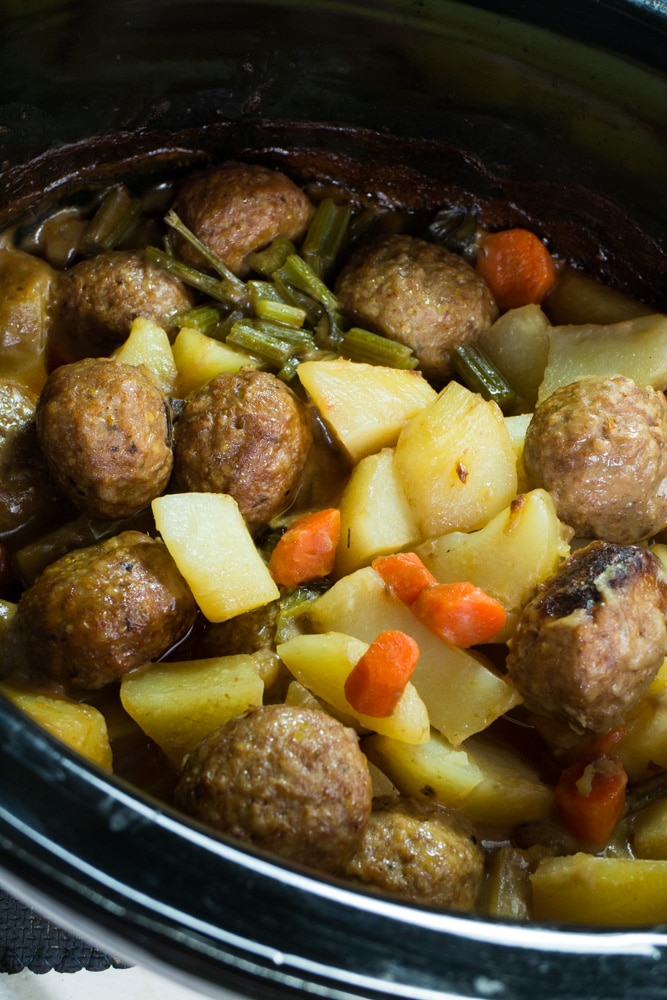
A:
{"points": [[98, 612], [106, 432], [420, 852], [98, 299], [247, 435], [599, 446], [591, 640], [419, 294], [236, 208], [27, 497], [285, 779]]}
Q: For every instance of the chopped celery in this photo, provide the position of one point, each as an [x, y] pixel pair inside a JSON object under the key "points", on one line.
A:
{"points": [[236, 288], [111, 222], [374, 349], [280, 312], [298, 273], [202, 318], [300, 300], [326, 235], [480, 375], [215, 288], [273, 257]]}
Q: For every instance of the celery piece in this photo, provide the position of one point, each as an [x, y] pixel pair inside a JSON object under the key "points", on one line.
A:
{"points": [[374, 349], [298, 273], [326, 235], [480, 375], [237, 289], [300, 300], [268, 261], [201, 318], [111, 222], [280, 312], [255, 340], [289, 369], [260, 291], [213, 287]]}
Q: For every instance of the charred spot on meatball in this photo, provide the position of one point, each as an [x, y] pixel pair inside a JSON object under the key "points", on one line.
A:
{"points": [[420, 852], [237, 208], [105, 430], [284, 779], [419, 294], [247, 435], [599, 446], [592, 639], [98, 612], [97, 300]]}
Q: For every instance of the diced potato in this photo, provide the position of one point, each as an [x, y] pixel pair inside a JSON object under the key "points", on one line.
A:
{"points": [[322, 663], [578, 298], [600, 891], [636, 348], [645, 744], [374, 514], [456, 462], [212, 547], [82, 727], [148, 345], [491, 786], [200, 358], [516, 550], [517, 426], [649, 835], [363, 405], [25, 293], [518, 345], [177, 704], [462, 693]]}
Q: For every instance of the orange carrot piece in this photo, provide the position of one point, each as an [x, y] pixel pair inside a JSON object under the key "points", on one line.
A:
{"points": [[405, 574], [307, 549], [590, 798], [460, 613], [376, 682], [517, 267]]}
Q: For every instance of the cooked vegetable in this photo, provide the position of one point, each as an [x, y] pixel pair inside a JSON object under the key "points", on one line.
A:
{"points": [[590, 798], [405, 574], [148, 345], [378, 679], [516, 266], [307, 549], [460, 613]]}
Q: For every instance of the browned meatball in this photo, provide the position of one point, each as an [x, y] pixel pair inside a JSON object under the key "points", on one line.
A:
{"points": [[593, 637], [27, 497], [247, 435], [419, 294], [236, 208], [599, 446], [420, 852], [285, 779], [98, 299], [106, 432], [98, 612]]}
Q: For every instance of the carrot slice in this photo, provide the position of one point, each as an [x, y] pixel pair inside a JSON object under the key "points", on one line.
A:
{"points": [[517, 267], [405, 574], [590, 798], [376, 682], [460, 613], [307, 549]]}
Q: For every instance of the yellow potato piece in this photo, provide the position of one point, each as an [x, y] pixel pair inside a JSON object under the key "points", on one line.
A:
{"points": [[322, 664], [518, 345], [602, 891], [82, 727], [199, 358], [456, 462], [148, 345], [461, 691], [375, 517], [212, 547], [177, 704], [364, 405]]}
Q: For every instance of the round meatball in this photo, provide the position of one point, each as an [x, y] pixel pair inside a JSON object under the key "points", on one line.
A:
{"points": [[98, 612], [106, 432], [98, 299], [285, 779], [599, 446], [236, 208], [419, 294], [27, 496], [420, 852], [592, 639], [247, 435]]}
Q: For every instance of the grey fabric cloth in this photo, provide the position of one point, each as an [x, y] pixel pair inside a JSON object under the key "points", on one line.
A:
{"points": [[29, 941]]}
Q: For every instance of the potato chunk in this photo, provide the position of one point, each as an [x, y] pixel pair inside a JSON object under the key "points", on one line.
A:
{"points": [[456, 462], [82, 727], [212, 547], [148, 346], [322, 664], [178, 704], [200, 358], [363, 405]]}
